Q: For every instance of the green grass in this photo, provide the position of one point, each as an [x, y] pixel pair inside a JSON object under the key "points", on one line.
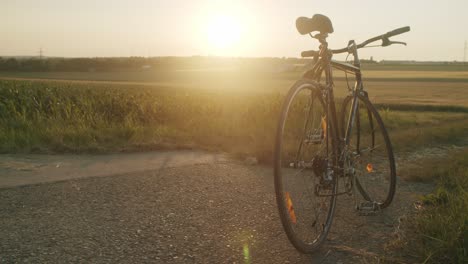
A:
{"points": [[48, 116], [441, 227], [56, 117], [437, 231]]}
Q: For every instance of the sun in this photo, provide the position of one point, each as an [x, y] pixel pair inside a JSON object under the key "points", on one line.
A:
{"points": [[224, 34]]}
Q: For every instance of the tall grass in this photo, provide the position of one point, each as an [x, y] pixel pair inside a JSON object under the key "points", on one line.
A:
{"points": [[54, 117], [41, 116]]}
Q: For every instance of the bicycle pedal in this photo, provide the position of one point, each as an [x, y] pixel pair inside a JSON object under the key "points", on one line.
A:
{"points": [[301, 164], [368, 208]]}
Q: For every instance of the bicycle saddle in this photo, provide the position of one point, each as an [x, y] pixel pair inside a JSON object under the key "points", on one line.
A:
{"points": [[318, 23]]}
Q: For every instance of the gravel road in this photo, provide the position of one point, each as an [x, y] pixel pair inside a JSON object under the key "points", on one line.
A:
{"points": [[217, 212]]}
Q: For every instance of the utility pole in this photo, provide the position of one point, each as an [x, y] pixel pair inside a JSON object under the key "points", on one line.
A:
{"points": [[464, 53], [41, 53]]}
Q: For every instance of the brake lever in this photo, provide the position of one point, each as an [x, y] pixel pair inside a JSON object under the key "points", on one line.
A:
{"points": [[387, 42]]}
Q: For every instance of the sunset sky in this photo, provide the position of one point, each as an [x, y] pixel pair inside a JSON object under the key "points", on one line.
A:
{"points": [[250, 28]]}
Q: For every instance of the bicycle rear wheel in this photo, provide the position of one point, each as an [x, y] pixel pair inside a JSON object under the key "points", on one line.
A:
{"points": [[305, 189], [369, 153]]}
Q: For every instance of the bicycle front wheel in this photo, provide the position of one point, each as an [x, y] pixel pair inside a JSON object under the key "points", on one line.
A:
{"points": [[369, 153], [305, 188]]}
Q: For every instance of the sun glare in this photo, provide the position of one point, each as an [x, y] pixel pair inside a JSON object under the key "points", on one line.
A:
{"points": [[224, 34]]}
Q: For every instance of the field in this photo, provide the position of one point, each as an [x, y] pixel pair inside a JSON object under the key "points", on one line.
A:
{"points": [[235, 111]]}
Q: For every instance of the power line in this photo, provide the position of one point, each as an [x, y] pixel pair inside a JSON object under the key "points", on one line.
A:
{"points": [[41, 53]]}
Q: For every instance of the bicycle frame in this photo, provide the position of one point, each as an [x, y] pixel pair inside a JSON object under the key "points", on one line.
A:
{"points": [[325, 64]]}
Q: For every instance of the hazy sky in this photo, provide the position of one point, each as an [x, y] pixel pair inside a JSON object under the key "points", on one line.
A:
{"points": [[89, 28]]}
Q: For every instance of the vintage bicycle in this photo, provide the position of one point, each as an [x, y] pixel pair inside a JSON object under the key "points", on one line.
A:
{"points": [[325, 147]]}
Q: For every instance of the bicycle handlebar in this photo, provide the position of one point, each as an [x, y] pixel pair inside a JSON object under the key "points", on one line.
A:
{"points": [[386, 36], [397, 31]]}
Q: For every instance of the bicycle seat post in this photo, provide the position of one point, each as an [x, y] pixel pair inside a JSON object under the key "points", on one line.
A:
{"points": [[322, 38]]}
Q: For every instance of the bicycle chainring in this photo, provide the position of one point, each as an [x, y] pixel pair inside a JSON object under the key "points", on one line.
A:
{"points": [[319, 166]]}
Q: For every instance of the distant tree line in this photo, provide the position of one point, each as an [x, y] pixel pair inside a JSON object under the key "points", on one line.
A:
{"points": [[50, 64], [36, 64], [71, 64]]}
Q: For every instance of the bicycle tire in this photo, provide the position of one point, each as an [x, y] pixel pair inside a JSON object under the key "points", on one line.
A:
{"points": [[280, 173], [386, 177]]}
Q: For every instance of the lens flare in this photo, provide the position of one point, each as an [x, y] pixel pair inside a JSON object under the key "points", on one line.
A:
{"points": [[246, 252]]}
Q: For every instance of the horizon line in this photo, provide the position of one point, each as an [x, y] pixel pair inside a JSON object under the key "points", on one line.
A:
{"points": [[202, 56]]}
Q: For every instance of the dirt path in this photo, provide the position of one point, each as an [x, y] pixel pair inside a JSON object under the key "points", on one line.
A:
{"points": [[17, 170], [174, 207]]}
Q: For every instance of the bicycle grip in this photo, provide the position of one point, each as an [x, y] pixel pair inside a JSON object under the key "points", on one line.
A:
{"points": [[397, 31], [309, 53]]}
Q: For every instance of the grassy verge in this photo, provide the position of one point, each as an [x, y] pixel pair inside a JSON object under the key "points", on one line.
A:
{"points": [[439, 231]]}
